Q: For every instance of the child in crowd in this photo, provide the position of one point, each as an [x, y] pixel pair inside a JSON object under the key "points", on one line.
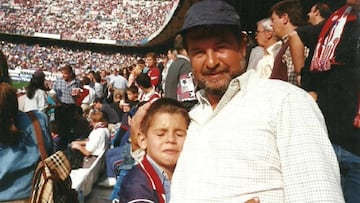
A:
{"points": [[163, 132], [131, 103], [54, 135], [132, 95], [116, 105], [98, 138], [148, 91]]}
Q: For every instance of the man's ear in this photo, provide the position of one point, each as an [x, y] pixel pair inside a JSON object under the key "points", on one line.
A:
{"points": [[142, 140], [243, 51], [317, 12], [243, 47], [285, 18]]}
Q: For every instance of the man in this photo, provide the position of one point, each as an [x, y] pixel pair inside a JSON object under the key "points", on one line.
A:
{"points": [[171, 54], [270, 46], [110, 114], [307, 36], [286, 16], [65, 87], [66, 90], [318, 13], [179, 83], [248, 136], [118, 83], [169, 58], [336, 62]]}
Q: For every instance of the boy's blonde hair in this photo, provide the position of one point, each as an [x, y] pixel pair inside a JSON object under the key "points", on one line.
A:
{"points": [[97, 116]]}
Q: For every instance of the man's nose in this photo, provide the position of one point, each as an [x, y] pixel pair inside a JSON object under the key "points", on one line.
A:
{"points": [[212, 60]]}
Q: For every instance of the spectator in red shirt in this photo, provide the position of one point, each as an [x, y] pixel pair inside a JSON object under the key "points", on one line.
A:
{"points": [[152, 70]]}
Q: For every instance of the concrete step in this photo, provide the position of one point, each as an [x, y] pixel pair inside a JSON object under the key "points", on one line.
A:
{"points": [[99, 195]]}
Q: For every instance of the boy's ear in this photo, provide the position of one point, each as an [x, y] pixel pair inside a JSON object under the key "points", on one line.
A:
{"points": [[142, 141]]}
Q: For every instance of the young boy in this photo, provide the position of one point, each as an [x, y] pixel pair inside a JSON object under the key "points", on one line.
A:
{"points": [[162, 136], [98, 138], [132, 94], [54, 135]]}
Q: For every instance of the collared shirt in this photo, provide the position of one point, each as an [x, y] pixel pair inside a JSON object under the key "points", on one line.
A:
{"points": [[63, 90], [98, 90], [265, 138], [164, 73], [119, 82], [289, 63], [183, 57], [165, 181], [266, 63], [138, 154], [255, 55]]}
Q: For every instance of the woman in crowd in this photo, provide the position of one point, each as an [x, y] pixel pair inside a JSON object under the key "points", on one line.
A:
{"points": [[18, 147], [36, 96]]}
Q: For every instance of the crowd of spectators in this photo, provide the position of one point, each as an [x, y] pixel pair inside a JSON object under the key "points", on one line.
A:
{"points": [[122, 21], [50, 58]]}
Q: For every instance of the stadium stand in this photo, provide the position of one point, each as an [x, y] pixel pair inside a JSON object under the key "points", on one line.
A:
{"points": [[122, 22]]}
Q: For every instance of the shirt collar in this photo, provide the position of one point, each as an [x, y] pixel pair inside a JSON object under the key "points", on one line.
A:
{"points": [[285, 38], [183, 57], [274, 48], [161, 173], [236, 84], [137, 154]]}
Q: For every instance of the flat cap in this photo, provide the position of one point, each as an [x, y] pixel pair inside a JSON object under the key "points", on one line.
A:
{"points": [[210, 12]]}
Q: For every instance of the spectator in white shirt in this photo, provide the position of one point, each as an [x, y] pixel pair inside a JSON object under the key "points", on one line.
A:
{"points": [[36, 96], [99, 88], [98, 139], [90, 97], [118, 83], [270, 44]]}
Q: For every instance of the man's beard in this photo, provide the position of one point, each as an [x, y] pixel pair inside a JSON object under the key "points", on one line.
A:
{"points": [[215, 91], [221, 89]]}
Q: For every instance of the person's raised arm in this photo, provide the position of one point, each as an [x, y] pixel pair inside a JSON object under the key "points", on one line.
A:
{"points": [[297, 50]]}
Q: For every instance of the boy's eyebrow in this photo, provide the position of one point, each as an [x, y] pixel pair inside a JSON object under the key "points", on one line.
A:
{"points": [[166, 129]]}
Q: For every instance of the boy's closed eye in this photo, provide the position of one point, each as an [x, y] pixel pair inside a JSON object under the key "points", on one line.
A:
{"points": [[178, 133], [181, 133]]}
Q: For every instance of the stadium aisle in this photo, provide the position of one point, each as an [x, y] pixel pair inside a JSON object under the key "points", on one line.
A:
{"points": [[99, 195]]}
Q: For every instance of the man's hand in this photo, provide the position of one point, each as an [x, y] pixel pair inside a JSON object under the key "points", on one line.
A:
{"points": [[253, 200], [135, 125]]}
